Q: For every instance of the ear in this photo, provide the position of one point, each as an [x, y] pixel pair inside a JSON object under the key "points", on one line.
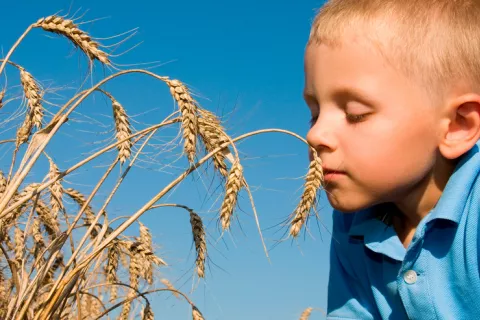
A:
{"points": [[460, 126]]}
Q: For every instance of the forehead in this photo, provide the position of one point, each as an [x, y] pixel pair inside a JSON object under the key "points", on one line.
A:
{"points": [[355, 69]]}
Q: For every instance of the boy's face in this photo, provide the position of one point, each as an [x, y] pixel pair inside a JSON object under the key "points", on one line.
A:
{"points": [[370, 121]]}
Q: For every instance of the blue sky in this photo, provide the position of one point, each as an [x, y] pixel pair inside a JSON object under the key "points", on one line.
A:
{"points": [[245, 60]]}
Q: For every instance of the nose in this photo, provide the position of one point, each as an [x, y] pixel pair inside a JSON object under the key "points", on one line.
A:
{"points": [[321, 138]]}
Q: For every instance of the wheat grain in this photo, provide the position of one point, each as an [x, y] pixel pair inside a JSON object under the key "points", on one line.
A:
{"points": [[89, 215], [306, 314], [213, 135], [20, 209], [232, 188], [189, 117], [34, 98], [122, 126], [3, 294], [24, 132], [200, 243], [39, 243], [56, 189], [147, 313], [146, 240], [46, 216], [170, 286], [2, 95], [313, 182], [196, 314], [111, 267], [3, 183], [79, 38], [19, 239]]}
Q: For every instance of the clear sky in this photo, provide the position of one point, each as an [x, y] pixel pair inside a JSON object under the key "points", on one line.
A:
{"points": [[245, 59]]}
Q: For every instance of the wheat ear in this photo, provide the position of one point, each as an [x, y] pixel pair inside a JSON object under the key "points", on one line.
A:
{"points": [[189, 117], [3, 183], [123, 131], [2, 95], [306, 314], [170, 286], [200, 243], [147, 313], [34, 98], [89, 215], [56, 189], [313, 182], [25, 130], [19, 239], [232, 188], [213, 135], [111, 267], [79, 38], [146, 240], [196, 314]]}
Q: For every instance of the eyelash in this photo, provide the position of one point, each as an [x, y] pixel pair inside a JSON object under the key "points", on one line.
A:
{"points": [[352, 118]]}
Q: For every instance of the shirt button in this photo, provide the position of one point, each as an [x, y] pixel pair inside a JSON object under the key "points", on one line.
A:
{"points": [[410, 276]]}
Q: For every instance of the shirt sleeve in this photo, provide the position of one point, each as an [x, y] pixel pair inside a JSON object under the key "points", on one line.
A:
{"points": [[344, 300]]}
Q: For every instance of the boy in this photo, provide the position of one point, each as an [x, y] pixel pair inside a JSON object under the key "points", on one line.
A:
{"points": [[394, 91]]}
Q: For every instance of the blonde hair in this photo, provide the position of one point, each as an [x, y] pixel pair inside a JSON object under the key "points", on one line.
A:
{"points": [[436, 41]]}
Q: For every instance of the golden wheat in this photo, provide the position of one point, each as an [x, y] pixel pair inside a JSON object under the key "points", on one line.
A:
{"points": [[313, 182], [232, 188], [188, 109], [146, 240], [123, 131], [306, 314], [170, 286], [213, 136], [111, 267], [56, 189], [19, 239], [24, 131], [2, 95], [200, 243], [79, 38], [147, 313], [46, 216], [3, 183], [33, 95], [196, 314], [39, 243]]}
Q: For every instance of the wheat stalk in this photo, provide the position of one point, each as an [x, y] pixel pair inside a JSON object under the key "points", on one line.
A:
{"points": [[79, 38], [34, 98], [123, 131], [200, 243], [189, 118], [306, 314], [313, 182], [232, 188], [196, 314]]}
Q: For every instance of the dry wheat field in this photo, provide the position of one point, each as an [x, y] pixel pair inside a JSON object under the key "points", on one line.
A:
{"points": [[60, 256]]}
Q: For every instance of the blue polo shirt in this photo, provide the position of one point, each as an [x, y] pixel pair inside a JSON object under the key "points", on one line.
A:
{"points": [[372, 276]]}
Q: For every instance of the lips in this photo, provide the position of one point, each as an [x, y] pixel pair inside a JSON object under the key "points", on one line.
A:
{"points": [[331, 171]]}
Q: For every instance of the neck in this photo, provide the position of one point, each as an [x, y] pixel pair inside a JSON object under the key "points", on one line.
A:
{"points": [[421, 199]]}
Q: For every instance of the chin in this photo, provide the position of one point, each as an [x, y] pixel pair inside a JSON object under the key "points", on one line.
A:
{"points": [[347, 206]]}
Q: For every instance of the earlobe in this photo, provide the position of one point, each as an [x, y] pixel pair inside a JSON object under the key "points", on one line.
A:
{"points": [[463, 129]]}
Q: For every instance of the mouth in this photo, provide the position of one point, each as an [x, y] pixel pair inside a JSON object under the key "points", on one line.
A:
{"points": [[330, 174]]}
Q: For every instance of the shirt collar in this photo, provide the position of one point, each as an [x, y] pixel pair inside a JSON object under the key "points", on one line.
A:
{"points": [[380, 237]]}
